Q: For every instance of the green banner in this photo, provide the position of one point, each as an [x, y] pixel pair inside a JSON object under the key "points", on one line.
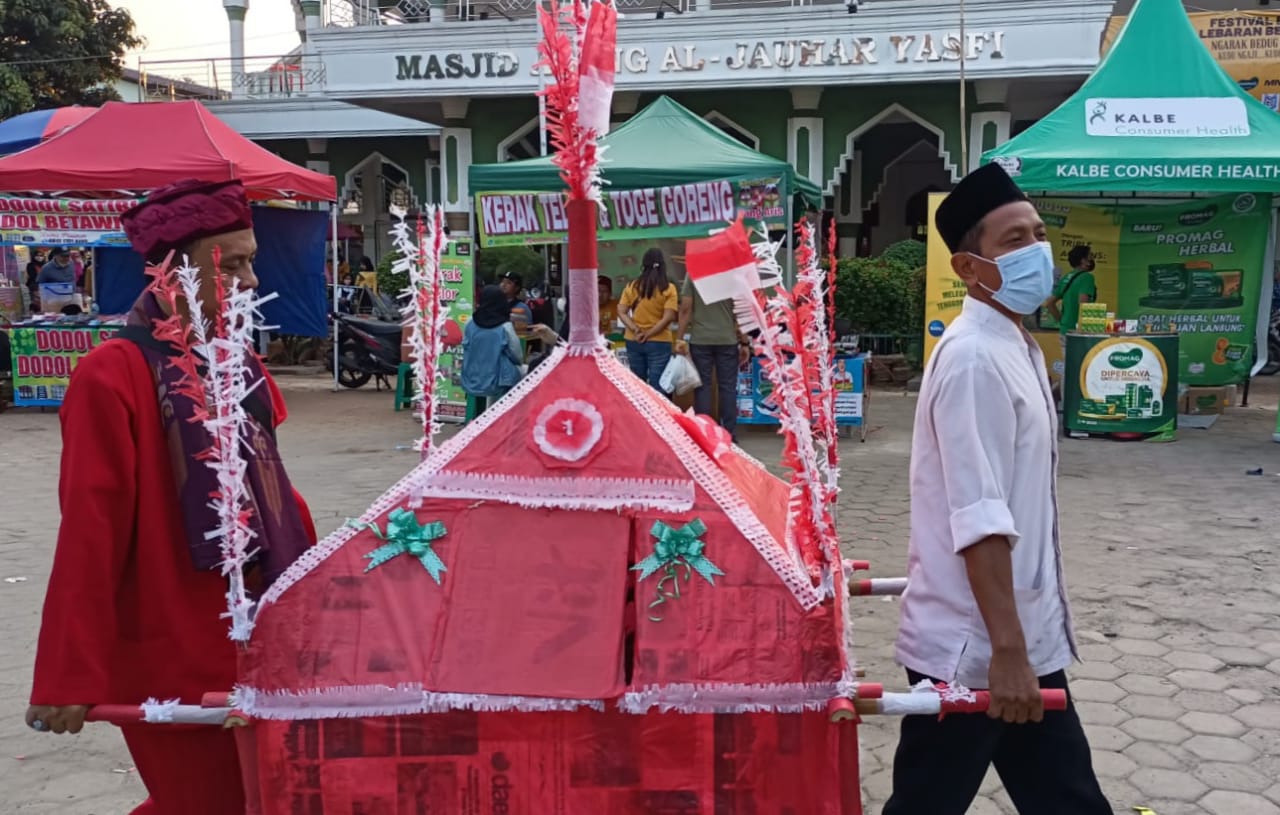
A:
{"points": [[458, 267], [1120, 384], [1196, 268], [686, 210], [43, 359]]}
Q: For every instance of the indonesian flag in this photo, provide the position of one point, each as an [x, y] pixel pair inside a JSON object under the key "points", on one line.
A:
{"points": [[597, 67], [723, 266]]}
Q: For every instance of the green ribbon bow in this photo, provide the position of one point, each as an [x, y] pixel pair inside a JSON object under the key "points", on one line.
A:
{"points": [[676, 548], [405, 536]]}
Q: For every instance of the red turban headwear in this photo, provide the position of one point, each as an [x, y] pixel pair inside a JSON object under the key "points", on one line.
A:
{"points": [[170, 218]]}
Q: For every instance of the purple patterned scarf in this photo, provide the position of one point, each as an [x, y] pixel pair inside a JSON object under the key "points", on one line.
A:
{"points": [[279, 533]]}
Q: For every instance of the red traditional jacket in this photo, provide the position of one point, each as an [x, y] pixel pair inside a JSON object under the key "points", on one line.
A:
{"points": [[126, 615]]}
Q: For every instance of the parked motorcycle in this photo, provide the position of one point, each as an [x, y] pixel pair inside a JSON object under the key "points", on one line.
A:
{"points": [[366, 349]]}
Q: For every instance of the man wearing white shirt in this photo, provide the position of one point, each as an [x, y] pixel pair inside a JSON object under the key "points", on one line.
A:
{"points": [[986, 605]]}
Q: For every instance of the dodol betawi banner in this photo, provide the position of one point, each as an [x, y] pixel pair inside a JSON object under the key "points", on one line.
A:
{"points": [[43, 359], [63, 221], [684, 210]]}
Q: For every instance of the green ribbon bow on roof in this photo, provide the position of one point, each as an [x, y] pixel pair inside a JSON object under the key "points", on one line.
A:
{"points": [[405, 536], [676, 548]]}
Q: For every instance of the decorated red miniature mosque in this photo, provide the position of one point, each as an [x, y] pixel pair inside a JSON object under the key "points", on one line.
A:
{"points": [[584, 602]]}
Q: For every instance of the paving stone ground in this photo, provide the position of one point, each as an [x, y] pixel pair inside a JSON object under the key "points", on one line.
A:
{"points": [[1170, 551]]}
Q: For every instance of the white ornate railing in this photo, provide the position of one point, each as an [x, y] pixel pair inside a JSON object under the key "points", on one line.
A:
{"points": [[260, 78], [349, 13]]}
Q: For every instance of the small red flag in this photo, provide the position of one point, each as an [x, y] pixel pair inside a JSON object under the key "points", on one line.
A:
{"points": [[723, 266]]}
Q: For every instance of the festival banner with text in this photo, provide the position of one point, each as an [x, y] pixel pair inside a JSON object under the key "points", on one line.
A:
{"points": [[682, 211], [43, 359], [62, 221], [1245, 43], [457, 265], [1193, 267], [1196, 267]]}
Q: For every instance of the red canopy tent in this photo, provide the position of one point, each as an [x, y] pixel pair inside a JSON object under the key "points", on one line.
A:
{"points": [[126, 148]]}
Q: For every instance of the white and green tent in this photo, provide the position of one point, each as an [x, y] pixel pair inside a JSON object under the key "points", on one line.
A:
{"points": [[1158, 115]]}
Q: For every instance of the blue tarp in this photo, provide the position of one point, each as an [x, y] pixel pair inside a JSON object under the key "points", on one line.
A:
{"points": [[291, 245]]}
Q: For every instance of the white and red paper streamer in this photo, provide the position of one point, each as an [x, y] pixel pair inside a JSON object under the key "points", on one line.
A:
{"points": [[426, 315], [578, 50], [222, 349]]}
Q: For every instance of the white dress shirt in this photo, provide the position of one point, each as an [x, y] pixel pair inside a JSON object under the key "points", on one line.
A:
{"points": [[984, 461]]}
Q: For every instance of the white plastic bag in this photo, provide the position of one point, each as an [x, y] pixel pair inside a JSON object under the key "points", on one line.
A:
{"points": [[680, 376]]}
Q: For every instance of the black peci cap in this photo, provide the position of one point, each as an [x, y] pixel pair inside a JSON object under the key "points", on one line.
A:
{"points": [[980, 192]]}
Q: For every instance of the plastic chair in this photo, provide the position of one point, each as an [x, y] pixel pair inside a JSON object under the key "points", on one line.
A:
{"points": [[404, 392], [404, 386]]}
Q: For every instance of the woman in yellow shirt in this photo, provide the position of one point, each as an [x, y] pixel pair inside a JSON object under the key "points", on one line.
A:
{"points": [[647, 309]]}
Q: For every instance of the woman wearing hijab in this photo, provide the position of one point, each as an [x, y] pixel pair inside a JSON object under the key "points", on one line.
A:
{"points": [[648, 308], [491, 353]]}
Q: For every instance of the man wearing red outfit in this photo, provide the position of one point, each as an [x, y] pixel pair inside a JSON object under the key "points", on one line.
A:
{"points": [[136, 597]]}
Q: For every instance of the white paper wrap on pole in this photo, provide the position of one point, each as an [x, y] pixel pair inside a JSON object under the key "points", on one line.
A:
{"points": [[910, 704], [584, 292], [159, 713], [878, 587]]}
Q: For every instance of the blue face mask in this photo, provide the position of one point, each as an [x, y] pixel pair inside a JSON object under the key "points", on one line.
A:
{"points": [[1027, 278]]}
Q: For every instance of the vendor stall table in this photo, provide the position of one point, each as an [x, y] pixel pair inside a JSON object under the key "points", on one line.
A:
{"points": [[44, 355], [1116, 384]]}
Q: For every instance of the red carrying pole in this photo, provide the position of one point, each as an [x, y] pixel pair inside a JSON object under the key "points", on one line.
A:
{"points": [[159, 714]]}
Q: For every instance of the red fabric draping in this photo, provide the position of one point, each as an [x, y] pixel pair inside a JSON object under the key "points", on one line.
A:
{"points": [[557, 764]]}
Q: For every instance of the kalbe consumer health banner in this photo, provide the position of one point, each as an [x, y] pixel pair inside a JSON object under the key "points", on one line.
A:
{"points": [[1193, 267], [684, 210], [1196, 268]]}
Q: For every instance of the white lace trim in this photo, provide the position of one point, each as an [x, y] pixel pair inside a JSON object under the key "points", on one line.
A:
{"points": [[700, 466], [396, 496], [712, 479], [661, 495], [585, 350], [696, 698], [355, 702]]}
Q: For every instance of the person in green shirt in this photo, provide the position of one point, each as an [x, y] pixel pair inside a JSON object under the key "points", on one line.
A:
{"points": [[1073, 288], [710, 337]]}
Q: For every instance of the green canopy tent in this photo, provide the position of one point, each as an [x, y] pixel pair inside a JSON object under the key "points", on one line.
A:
{"points": [[693, 175], [663, 145], [1157, 115]]}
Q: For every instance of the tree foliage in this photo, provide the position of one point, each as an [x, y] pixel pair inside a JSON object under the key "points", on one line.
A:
{"points": [[911, 253], [880, 295], [391, 282], [61, 52], [498, 260]]}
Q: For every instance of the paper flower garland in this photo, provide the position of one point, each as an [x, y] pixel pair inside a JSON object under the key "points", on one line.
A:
{"points": [[568, 429], [676, 548], [406, 536]]}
